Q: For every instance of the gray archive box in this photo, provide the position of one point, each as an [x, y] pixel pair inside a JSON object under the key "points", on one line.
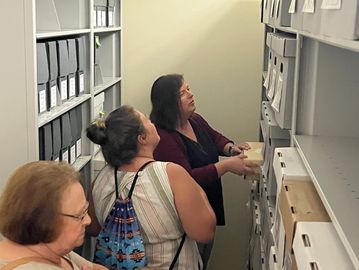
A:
{"points": [[110, 12], [80, 72], [56, 139], [74, 132], [98, 79], [71, 46], [45, 142], [63, 65], [296, 20], [311, 21], [281, 14], [42, 76], [79, 131], [53, 93], [284, 47], [66, 136], [276, 137], [341, 23]]}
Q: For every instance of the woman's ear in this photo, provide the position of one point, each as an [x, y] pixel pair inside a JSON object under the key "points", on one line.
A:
{"points": [[142, 138]]}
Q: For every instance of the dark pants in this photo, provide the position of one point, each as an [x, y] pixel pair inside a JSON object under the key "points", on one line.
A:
{"points": [[205, 252]]}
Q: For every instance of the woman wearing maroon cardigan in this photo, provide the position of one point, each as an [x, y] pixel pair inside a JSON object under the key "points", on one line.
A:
{"points": [[188, 140]]}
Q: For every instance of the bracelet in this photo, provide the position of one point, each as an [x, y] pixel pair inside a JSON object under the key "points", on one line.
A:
{"points": [[230, 148]]}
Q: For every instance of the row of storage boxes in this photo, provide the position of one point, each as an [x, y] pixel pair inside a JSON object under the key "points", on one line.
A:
{"points": [[302, 229], [104, 13], [279, 80], [333, 18], [60, 140], [60, 71]]}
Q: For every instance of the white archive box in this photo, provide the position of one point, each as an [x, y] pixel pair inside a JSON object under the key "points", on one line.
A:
{"points": [[312, 16], [98, 104], [340, 19], [273, 265], [296, 20], [281, 14], [287, 165], [279, 237], [317, 245]]}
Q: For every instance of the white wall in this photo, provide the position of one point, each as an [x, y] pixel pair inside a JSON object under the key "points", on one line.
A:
{"points": [[217, 45]]}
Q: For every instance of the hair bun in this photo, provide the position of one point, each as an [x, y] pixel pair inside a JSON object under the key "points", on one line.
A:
{"points": [[96, 132]]}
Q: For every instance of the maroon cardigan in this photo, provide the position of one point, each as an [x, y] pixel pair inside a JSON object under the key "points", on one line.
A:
{"points": [[171, 148]]}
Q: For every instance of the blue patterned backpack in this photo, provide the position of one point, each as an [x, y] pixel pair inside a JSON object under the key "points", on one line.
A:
{"points": [[119, 243]]}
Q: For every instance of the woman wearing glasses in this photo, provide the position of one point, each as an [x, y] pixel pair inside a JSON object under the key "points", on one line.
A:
{"points": [[43, 212]]}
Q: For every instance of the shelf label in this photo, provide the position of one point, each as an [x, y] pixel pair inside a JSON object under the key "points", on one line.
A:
{"points": [[308, 6], [53, 96], [110, 18], [292, 6], [82, 83], [272, 85], [272, 9], [331, 4], [64, 89], [65, 156], [277, 5], [78, 148], [103, 18], [266, 81], [98, 18], [73, 154], [72, 91], [278, 94], [42, 101]]}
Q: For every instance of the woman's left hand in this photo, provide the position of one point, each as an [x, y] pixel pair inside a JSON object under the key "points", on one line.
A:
{"points": [[243, 146]]}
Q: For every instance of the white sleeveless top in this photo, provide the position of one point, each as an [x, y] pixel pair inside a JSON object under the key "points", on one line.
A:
{"points": [[153, 201]]}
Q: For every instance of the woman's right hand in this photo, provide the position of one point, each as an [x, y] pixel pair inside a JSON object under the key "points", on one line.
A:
{"points": [[236, 165]]}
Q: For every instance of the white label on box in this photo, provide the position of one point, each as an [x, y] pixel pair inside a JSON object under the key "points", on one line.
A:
{"points": [[42, 101], [278, 94], [94, 18], [73, 154], [99, 19], [53, 99], [103, 18], [65, 156], [82, 83], [57, 159], [110, 18], [331, 4], [308, 6], [272, 8], [72, 87], [64, 90], [272, 85], [292, 6], [266, 81], [277, 3], [78, 148]]}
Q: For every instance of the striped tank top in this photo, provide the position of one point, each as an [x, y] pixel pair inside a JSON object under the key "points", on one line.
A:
{"points": [[153, 201]]}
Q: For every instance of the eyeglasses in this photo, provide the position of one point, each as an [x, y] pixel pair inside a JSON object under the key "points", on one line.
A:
{"points": [[79, 217]]}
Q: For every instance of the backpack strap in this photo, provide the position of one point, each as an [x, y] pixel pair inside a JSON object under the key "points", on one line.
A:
{"points": [[21, 261], [134, 180], [178, 252]]}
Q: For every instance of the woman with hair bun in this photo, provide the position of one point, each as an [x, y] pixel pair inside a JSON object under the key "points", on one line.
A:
{"points": [[167, 201]]}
